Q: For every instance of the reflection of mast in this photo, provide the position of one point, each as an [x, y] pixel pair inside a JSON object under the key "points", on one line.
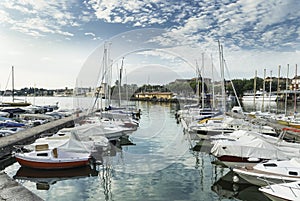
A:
{"points": [[106, 181]]}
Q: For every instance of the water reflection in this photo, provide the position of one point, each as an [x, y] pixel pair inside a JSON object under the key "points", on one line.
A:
{"points": [[155, 162], [242, 190], [45, 178]]}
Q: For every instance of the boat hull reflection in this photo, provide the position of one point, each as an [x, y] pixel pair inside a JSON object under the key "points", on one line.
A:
{"points": [[226, 188], [45, 178]]}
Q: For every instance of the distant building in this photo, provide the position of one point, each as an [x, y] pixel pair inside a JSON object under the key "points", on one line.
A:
{"points": [[63, 92], [295, 83], [154, 95]]}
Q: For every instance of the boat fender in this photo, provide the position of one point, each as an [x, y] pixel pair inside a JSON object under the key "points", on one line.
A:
{"points": [[235, 179], [253, 159]]}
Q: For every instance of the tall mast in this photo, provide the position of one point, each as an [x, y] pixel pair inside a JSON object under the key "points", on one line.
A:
{"points": [[286, 90], [13, 83], [120, 81], [278, 87], [213, 83], [270, 91], [222, 77], [198, 83], [295, 88], [202, 80], [264, 89], [254, 90]]}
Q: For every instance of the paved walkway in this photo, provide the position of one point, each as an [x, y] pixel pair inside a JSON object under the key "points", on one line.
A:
{"points": [[11, 190]]}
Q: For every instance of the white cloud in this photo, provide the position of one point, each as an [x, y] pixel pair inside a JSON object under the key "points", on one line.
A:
{"points": [[38, 17], [89, 34]]}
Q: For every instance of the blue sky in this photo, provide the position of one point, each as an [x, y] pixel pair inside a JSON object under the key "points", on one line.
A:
{"points": [[49, 41]]}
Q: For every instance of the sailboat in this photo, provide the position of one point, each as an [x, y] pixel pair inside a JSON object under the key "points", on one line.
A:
{"points": [[13, 103]]}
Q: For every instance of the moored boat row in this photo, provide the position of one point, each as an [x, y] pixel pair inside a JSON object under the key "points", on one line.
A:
{"points": [[77, 146], [257, 153]]}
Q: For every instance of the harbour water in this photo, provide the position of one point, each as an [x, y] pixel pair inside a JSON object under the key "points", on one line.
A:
{"points": [[156, 163]]}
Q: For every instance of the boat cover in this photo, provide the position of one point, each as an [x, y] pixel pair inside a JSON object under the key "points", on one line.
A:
{"points": [[249, 147]]}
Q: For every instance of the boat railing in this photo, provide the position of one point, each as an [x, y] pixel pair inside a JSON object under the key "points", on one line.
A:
{"points": [[270, 183], [18, 149]]}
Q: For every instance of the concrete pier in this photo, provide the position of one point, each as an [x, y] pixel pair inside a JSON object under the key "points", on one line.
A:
{"points": [[29, 135], [12, 190], [9, 188]]}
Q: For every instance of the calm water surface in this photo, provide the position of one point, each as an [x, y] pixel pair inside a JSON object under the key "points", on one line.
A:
{"points": [[159, 165]]}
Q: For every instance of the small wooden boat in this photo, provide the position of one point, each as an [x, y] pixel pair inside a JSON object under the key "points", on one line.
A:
{"points": [[44, 158]]}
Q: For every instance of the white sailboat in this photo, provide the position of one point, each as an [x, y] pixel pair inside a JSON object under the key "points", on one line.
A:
{"points": [[14, 103]]}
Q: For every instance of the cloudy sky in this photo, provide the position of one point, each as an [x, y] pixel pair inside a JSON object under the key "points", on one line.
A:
{"points": [[49, 41]]}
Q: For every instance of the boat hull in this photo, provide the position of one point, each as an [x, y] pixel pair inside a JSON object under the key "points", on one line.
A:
{"points": [[234, 161], [263, 179], [282, 192], [59, 164]]}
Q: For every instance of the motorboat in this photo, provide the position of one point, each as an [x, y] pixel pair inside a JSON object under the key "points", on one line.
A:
{"points": [[259, 96], [251, 148], [283, 191], [71, 154], [223, 125], [272, 171]]}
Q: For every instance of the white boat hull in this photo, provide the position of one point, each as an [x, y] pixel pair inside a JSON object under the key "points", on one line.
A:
{"points": [[283, 191], [261, 179]]}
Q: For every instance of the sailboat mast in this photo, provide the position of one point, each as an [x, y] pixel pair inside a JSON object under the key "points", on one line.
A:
{"points": [[13, 83], [264, 89], [295, 88], [198, 74], [254, 90], [213, 83], [271, 79], [202, 80], [286, 90], [278, 87], [120, 81], [222, 77]]}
